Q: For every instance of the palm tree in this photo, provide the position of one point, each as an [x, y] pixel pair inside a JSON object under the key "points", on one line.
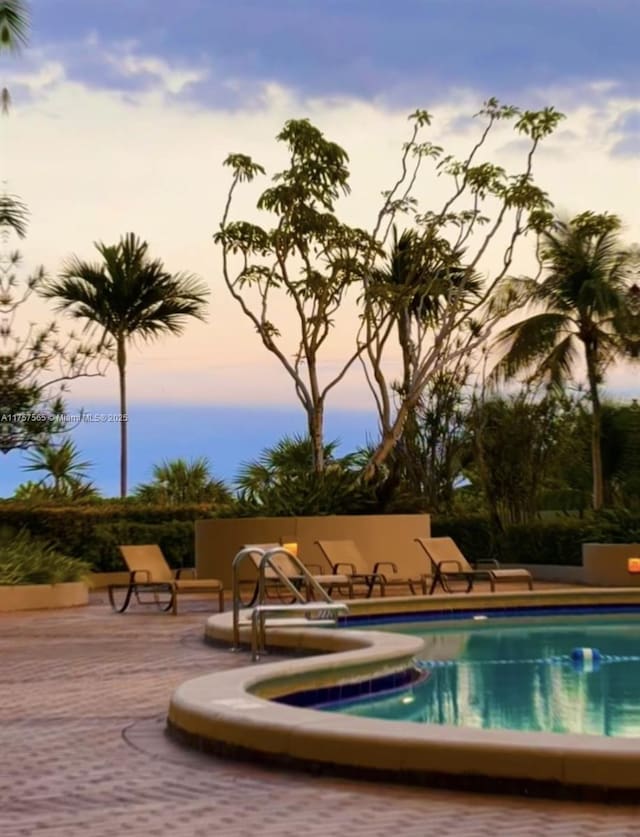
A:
{"points": [[64, 471], [128, 296], [583, 300], [422, 279], [421, 276], [289, 460], [178, 481]]}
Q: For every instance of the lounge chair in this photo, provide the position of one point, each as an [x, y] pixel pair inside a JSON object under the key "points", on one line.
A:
{"points": [[287, 567], [150, 573], [449, 564], [345, 557]]}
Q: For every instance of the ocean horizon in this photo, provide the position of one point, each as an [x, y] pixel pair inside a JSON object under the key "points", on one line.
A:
{"points": [[227, 436]]}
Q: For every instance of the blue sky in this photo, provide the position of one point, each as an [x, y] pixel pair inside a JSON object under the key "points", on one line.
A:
{"points": [[361, 47], [123, 112]]}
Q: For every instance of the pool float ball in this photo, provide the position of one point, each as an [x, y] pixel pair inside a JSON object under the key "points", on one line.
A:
{"points": [[586, 659]]}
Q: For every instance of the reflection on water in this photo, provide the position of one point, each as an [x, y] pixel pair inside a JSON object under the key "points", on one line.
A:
{"points": [[506, 678]]}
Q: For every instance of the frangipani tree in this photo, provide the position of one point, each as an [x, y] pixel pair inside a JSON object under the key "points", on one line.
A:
{"points": [[309, 255], [314, 259]]}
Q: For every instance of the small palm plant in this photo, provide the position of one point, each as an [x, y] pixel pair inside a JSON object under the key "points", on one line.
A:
{"points": [[178, 481], [64, 473], [283, 482]]}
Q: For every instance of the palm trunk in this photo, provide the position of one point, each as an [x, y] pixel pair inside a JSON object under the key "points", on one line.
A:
{"points": [[122, 376], [596, 433]]}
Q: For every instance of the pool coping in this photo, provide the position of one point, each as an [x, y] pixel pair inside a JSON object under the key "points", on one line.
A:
{"points": [[232, 712]]}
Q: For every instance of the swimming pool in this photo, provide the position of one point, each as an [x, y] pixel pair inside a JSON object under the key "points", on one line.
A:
{"points": [[267, 712], [497, 674]]}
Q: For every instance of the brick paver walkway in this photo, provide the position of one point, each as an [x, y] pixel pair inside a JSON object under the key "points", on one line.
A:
{"points": [[83, 695]]}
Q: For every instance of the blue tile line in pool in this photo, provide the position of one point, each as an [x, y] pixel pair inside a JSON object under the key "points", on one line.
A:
{"points": [[501, 612], [326, 696]]}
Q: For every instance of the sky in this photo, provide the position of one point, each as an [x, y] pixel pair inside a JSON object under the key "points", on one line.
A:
{"points": [[124, 111]]}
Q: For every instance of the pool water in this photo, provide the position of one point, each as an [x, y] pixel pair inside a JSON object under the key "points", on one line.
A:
{"points": [[521, 677]]}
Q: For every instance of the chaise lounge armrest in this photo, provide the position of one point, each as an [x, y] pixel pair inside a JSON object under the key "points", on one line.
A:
{"points": [[352, 567], [377, 566], [189, 571], [316, 569], [458, 566], [133, 577]]}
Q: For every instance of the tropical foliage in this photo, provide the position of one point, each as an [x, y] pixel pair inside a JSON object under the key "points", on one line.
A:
{"points": [[283, 482], [28, 560], [14, 34]]}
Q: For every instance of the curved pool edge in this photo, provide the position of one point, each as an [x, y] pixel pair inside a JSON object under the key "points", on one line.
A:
{"points": [[230, 712]]}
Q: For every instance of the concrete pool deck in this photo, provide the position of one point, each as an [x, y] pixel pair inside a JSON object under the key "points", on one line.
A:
{"points": [[83, 702]]}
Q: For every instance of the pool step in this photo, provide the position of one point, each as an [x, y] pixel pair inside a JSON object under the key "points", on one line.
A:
{"points": [[290, 616]]}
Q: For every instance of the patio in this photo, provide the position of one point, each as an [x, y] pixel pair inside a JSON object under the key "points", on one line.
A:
{"points": [[84, 697]]}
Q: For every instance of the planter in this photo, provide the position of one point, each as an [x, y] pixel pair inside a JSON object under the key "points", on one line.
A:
{"points": [[607, 564], [43, 596]]}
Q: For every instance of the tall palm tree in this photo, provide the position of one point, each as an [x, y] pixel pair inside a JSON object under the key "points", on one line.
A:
{"points": [[128, 296], [583, 300]]}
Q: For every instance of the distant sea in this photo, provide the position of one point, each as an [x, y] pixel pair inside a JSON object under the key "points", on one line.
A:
{"points": [[227, 436]]}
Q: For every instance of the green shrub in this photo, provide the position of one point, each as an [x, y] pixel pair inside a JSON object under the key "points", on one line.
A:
{"points": [[557, 542], [28, 560], [614, 526], [472, 534]]}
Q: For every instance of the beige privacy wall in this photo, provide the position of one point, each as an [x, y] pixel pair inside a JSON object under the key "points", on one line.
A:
{"points": [[379, 538], [606, 564]]}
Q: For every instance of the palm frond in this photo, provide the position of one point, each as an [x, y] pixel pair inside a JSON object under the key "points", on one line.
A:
{"points": [[527, 342], [14, 24]]}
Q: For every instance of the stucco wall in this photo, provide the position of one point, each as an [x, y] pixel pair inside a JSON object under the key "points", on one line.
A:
{"points": [[379, 537], [605, 564]]}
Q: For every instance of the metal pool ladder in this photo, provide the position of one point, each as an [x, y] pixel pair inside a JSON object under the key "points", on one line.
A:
{"points": [[302, 613]]}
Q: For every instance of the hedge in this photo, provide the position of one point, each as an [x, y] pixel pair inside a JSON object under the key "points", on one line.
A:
{"points": [[90, 531], [549, 542], [175, 538]]}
